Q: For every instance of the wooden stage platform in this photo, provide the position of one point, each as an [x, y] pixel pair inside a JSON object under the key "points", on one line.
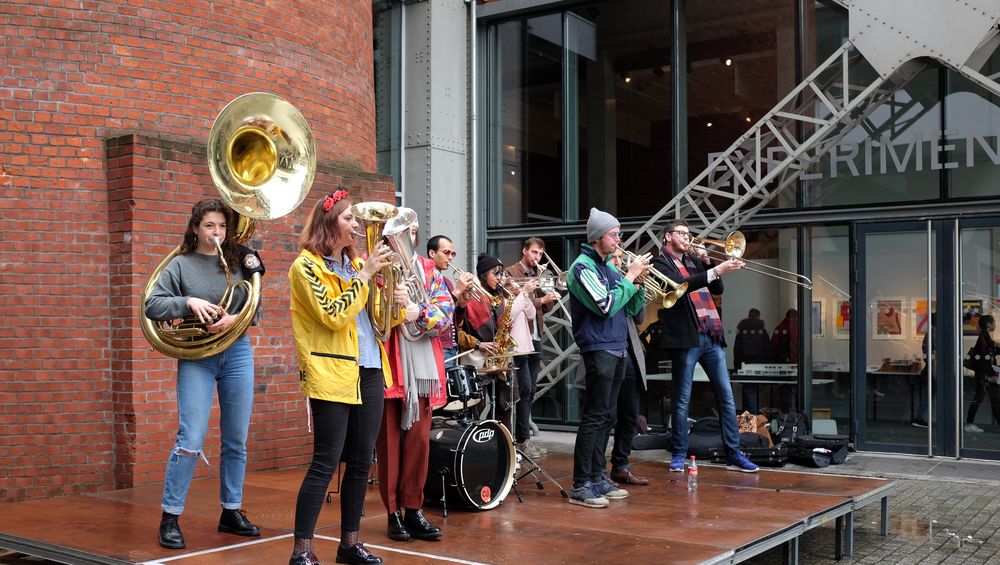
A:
{"points": [[732, 517]]}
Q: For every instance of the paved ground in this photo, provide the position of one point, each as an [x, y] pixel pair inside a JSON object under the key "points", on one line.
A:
{"points": [[943, 511]]}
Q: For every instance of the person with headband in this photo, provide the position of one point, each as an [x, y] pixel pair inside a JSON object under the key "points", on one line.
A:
{"points": [[343, 369]]}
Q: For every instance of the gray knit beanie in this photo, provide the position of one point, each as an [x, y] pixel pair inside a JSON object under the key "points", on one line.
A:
{"points": [[599, 224]]}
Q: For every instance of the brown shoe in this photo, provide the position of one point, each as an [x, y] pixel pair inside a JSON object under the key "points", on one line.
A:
{"points": [[625, 477]]}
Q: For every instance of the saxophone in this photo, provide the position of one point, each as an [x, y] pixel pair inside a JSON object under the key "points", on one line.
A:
{"points": [[503, 343]]}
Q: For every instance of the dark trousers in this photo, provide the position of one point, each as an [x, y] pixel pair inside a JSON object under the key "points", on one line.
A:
{"points": [[626, 413], [403, 456], [527, 373], [604, 374], [983, 389], [348, 429]]}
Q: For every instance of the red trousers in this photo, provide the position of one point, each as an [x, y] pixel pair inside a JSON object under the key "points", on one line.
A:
{"points": [[403, 456]]}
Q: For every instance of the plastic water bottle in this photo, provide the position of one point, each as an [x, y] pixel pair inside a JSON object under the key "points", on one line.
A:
{"points": [[692, 473]]}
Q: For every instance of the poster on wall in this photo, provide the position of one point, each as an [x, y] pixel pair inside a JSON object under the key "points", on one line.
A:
{"points": [[972, 309], [920, 318], [818, 322], [842, 321], [888, 318]]}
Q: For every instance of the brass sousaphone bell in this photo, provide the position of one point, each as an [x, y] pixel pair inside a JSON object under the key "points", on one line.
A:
{"points": [[262, 159]]}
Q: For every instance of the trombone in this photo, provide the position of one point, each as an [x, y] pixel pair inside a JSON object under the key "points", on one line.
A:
{"points": [[656, 285], [735, 245]]}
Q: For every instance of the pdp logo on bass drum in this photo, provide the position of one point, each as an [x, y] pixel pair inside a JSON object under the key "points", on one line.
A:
{"points": [[484, 435]]}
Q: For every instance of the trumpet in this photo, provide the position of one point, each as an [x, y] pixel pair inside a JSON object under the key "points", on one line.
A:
{"points": [[734, 246], [656, 285], [477, 291]]}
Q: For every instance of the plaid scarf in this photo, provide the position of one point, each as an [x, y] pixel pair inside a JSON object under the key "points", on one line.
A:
{"points": [[709, 321]]}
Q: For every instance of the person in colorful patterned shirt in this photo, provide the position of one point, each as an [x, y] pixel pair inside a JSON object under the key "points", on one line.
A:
{"points": [[418, 385]]}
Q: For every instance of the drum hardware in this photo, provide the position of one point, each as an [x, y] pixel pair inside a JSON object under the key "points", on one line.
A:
{"points": [[530, 469]]}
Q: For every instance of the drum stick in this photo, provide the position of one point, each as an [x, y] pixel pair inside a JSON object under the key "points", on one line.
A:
{"points": [[459, 356]]}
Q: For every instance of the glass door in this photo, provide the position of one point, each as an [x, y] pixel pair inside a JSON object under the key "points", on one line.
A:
{"points": [[895, 405], [978, 406]]}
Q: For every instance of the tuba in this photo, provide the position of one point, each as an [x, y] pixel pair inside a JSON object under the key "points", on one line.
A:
{"points": [[381, 306], [262, 160], [397, 236]]}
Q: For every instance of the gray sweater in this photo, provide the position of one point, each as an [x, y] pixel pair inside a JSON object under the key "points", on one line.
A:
{"points": [[192, 274]]}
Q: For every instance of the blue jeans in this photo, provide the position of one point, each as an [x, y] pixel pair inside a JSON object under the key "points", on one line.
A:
{"points": [[604, 374], [231, 372], [713, 359], [451, 352]]}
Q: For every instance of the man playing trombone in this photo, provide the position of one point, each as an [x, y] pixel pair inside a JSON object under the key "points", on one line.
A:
{"points": [[694, 335], [528, 366], [600, 300]]}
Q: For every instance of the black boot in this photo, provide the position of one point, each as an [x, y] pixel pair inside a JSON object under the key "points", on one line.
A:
{"points": [[308, 558], [236, 522], [356, 555], [170, 535], [419, 527], [397, 530]]}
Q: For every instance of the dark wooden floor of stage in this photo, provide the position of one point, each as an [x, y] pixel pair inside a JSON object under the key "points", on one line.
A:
{"points": [[659, 523]]}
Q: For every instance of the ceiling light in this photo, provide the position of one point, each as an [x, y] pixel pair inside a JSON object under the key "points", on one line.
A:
{"points": [[709, 124], [727, 62]]}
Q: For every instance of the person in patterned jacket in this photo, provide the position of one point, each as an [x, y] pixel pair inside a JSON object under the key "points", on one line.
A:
{"points": [[418, 386]]}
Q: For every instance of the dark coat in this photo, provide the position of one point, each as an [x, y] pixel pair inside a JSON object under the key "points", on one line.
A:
{"points": [[682, 321]]}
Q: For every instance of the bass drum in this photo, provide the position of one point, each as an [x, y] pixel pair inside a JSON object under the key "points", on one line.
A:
{"points": [[476, 461]]}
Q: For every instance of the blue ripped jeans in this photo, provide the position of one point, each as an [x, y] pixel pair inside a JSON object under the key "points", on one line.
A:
{"points": [[231, 373]]}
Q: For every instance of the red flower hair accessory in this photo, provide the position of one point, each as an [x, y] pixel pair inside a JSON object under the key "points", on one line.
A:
{"points": [[329, 201]]}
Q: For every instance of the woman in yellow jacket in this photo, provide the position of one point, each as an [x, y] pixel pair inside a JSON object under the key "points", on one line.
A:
{"points": [[343, 370]]}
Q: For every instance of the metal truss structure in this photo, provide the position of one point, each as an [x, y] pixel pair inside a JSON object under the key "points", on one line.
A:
{"points": [[890, 43]]}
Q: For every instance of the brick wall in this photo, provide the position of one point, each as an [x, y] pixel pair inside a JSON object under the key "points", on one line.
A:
{"points": [[105, 109]]}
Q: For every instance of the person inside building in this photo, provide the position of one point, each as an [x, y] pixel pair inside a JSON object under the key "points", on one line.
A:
{"points": [[983, 361], [695, 335], [751, 345], [417, 363], [601, 299], [193, 283], [343, 369], [785, 339]]}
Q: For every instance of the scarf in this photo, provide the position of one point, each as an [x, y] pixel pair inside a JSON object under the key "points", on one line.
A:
{"points": [[420, 373]]}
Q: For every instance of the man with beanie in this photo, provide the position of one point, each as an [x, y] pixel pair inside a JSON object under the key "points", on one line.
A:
{"points": [[694, 335], [600, 301]]}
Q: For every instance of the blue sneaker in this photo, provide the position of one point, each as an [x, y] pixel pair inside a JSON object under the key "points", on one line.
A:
{"points": [[677, 463], [608, 489], [584, 495], [736, 461]]}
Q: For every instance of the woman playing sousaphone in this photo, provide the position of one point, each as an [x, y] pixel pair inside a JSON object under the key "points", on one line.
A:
{"points": [[192, 285], [343, 369]]}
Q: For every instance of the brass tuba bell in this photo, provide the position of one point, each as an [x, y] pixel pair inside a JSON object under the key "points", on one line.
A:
{"points": [[381, 306], [397, 236], [262, 159]]}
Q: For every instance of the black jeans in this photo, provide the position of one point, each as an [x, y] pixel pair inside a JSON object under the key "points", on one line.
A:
{"points": [[984, 388], [351, 430], [626, 414], [604, 374], [527, 375]]}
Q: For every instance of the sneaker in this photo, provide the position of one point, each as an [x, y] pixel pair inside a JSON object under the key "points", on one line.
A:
{"points": [[972, 428], [918, 423], [536, 447], [677, 464], [737, 461], [584, 496], [517, 458], [527, 448], [609, 489]]}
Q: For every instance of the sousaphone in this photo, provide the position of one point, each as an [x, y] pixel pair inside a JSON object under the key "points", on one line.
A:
{"points": [[262, 159]]}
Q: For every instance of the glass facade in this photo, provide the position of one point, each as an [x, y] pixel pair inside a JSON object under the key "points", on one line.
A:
{"points": [[583, 108]]}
